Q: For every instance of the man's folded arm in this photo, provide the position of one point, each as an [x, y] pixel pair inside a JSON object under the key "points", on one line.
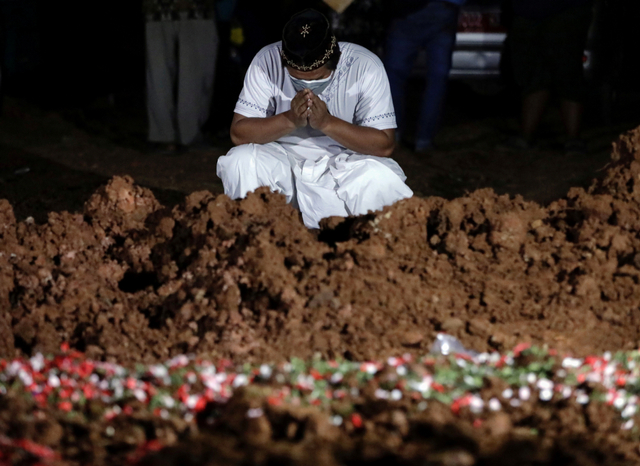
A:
{"points": [[361, 139], [245, 130]]}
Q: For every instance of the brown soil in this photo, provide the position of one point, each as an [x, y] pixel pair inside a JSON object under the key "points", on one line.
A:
{"points": [[132, 281], [129, 280]]}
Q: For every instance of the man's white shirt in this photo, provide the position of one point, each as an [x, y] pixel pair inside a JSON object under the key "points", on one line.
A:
{"points": [[358, 93]]}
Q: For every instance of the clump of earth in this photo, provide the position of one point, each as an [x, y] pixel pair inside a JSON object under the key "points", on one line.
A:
{"points": [[129, 280]]}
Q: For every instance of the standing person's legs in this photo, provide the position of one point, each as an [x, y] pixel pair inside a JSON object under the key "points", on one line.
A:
{"points": [[572, 118], [161, 74], [401, 50], [198, 50], [566, 37], [531, 71], [533, 107], [442, 20]]}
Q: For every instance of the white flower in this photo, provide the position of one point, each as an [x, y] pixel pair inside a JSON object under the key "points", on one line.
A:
{"points": [[582, 398], [37, 362], [265, 371], [192, 401], [619, 402], [571, 363], [254, 413], [158, 371], [545, 384], [140, 394], [240, 381], [629, 411], [546, 394], [476, 405], [53, 381], [494, 404]]}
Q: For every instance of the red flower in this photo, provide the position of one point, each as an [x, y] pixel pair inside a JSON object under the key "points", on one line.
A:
{"points": [[200, 404], [41, 399], [38, 450], [437, 387], [591, 360], [356, 420], [459, 403], [88, 391], [85, 369], [65, 406], [520, 348]]}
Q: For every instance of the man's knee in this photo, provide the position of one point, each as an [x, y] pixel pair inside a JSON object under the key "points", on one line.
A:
{"points": [[236, 161], [379, 177], [240, 155], [374, 186], [235, 172], [247, 167], [376, 177]]}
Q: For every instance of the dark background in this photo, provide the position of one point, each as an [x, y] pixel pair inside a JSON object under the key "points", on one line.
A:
{"points": [[70, 52], [74, 110]]}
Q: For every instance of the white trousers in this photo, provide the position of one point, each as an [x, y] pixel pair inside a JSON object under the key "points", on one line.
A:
{"points": [[341, 185], [181, 62]]}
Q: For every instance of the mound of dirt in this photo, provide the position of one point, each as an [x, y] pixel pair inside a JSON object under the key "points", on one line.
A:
{"points": [[131, 280]]}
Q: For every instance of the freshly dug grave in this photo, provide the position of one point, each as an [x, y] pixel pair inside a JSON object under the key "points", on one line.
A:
{"points": [[131, 281]]}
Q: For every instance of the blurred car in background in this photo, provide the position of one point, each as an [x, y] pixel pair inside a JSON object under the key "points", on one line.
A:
{"points": [[479, 48], [479, 41], [479, 54], [481, 57]]}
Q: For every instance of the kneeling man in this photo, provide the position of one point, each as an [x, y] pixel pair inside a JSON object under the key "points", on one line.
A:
{"points": [[315, 121]]}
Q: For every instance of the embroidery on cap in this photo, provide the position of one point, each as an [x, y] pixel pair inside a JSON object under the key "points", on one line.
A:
{"points": [[305, 30], [315, 64]]}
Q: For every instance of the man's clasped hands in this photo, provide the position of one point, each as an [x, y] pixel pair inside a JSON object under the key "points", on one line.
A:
{"points": [[308, 108]]}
